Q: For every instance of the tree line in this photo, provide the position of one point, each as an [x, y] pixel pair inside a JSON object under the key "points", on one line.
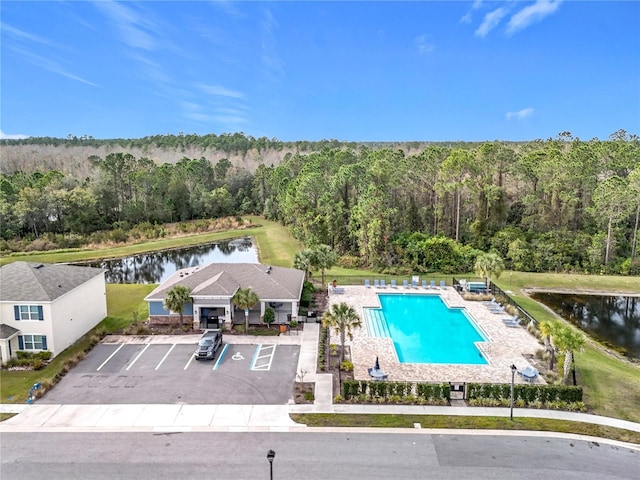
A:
{"points": [[561, 204]]}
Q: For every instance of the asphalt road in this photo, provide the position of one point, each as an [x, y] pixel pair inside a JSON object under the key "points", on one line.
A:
{"points": [[260, 374], [315, 455]]}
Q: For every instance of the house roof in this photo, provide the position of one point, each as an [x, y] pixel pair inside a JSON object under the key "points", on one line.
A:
{"points": [[7, 331], [41, 282], [224, 279]]}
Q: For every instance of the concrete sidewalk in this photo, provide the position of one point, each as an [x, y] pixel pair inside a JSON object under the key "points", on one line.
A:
{"points": [[42, 417]]}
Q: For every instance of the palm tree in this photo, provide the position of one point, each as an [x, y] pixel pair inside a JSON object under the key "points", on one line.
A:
{"points": [[323, 258], [176, 299], [489, 265], [343, 318], [303, 261], [245, 298], [548, 329], [568, 340]]}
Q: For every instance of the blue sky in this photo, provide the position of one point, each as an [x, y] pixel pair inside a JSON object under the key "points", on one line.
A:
{"points": [[354, 71]]}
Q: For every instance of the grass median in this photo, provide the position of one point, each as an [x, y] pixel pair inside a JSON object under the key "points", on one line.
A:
{"points": [[462, 422]]}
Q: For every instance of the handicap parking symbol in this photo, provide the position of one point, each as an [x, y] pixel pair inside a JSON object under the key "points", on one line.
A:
{"points": [[237, 356]]}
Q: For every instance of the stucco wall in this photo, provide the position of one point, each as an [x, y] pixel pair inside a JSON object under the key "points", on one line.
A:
{"points": [[77, 312]]}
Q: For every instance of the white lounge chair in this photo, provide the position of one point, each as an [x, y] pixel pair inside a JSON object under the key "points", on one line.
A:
{"points": [[367, 283]]}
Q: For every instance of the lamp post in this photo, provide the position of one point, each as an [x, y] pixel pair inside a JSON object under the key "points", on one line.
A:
{"points": [[513, 375], [270, 456]]}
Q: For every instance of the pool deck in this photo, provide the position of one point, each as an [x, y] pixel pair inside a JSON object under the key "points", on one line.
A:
{"points": [[506, 346]]}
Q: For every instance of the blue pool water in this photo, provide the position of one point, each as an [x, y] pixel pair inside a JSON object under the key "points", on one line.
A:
{"points": [[425, 330]]}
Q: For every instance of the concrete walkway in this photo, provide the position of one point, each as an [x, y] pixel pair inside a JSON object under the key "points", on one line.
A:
{"points": [[238, 418]]}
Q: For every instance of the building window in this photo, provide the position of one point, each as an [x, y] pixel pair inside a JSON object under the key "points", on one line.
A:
{"points": [[32, 342], [28, 312]]}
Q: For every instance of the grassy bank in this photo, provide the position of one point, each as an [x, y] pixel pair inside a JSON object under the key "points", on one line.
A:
{"points": [[275, 244], [460, 422], [611, 384]]}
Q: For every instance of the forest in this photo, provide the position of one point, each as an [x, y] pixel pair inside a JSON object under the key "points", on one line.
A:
{"points": [[560, 205]]}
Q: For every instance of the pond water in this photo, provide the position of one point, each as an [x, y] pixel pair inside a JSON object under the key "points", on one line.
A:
{"points": [[613, 320], [156, 267]]}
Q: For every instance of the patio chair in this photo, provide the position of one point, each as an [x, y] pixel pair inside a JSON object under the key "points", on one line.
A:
{"points": [[443, 285], [512, 322], [528, 373], [498, 310], [424, 284], [393, 284], [383, 283], [414, 284], [376, 283], [405, 283], [490, 303], [367, 283], [432, 284]]}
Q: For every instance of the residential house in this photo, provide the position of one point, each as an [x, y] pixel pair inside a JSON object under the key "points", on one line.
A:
{"points": [[48, 306], [212, 289]]}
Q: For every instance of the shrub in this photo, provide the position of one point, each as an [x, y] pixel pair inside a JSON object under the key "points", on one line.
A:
{"points": [[269, 316], [346, 366]]}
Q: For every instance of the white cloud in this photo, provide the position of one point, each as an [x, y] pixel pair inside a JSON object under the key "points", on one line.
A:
{"points": [[220, 91], [531, 14], [490, 21], [520, 114], [424, 46], [12, 136], [467, 16], [269, 54], [134, 28], [22, 35]]}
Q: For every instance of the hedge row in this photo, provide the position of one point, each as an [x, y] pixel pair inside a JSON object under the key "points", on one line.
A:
{"points": [[376, 389], [322, 349], [527, 393]]}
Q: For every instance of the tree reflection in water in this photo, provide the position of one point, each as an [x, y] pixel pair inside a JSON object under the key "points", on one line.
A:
{"points": [[156, 267], [614, 320]]}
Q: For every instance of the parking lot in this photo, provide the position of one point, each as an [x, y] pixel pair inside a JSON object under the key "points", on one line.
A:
{"points": [[241, 374]]}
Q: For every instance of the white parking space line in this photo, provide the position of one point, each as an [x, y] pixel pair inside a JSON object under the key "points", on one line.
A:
{"points": [[263, 357], [224, 350], [166, 355], [191, 357], [110, 357], [137, 357]]}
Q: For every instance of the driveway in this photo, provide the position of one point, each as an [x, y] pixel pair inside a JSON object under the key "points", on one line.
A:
{"points": [[167, 373]]}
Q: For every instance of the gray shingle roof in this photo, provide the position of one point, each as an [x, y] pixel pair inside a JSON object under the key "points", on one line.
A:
{"points": [[223, 279], [7, 331], [41, 282]]}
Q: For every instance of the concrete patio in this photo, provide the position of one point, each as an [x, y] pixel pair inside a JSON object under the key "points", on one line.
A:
{"points": [[506, 346]]}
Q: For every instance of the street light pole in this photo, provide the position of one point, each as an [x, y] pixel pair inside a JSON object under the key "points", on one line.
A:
{"points": [[513, 375], [270, 456]]}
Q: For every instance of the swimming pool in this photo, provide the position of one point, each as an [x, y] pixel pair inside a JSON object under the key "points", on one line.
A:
{"points": [[425, 330]]}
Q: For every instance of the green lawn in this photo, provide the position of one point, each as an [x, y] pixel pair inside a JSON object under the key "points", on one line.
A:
{"points": [[476, 423], [611, 385]]}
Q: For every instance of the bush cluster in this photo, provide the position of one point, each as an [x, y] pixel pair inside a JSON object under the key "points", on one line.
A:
{"points": [[556, 397], [29, 360], [322, 349], [364, 391]]}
